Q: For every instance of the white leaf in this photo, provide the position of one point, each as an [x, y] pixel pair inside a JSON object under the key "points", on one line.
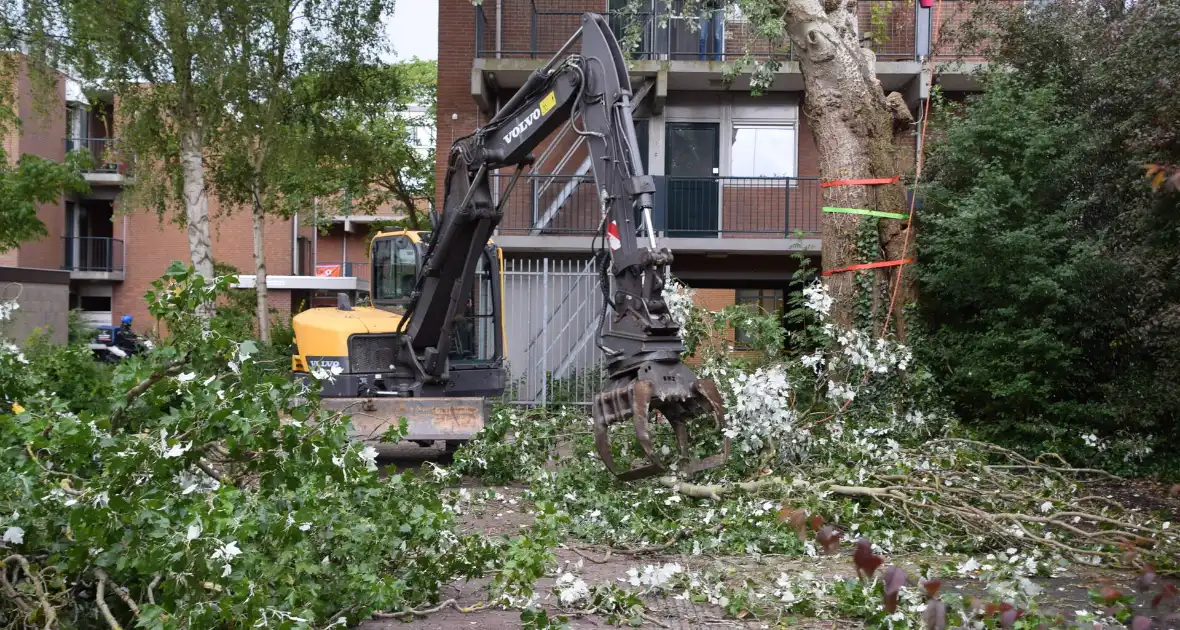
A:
{"points": [[194, 532], [14, 535]]}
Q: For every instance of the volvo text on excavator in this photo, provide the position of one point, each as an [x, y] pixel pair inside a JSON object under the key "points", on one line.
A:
{"points": [[431, 348]]}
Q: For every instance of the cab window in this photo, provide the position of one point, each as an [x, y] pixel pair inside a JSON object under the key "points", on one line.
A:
{"points": [[474, 333], [395, 265]]}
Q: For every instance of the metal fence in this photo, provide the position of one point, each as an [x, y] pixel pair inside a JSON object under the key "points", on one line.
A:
{"points": [[684, 207], [552, 309], [105, 155], [92, 253], [666, 31]]}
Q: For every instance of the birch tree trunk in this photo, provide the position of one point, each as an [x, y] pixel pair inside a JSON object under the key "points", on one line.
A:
{"points": [[196, 200], [258, 217], [853, 127]]}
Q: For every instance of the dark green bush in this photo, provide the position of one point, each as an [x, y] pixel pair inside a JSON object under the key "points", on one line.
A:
{"points": [[1049, 296]]}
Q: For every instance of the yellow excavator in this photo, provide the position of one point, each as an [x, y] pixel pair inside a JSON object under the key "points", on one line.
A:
{"points": [[430, 349]]}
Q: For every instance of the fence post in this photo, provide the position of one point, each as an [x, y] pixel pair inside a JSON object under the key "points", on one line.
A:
{"points": [[545, 331], [787, 211], [533, 35]]}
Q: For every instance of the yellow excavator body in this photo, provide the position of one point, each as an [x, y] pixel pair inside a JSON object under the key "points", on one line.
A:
{"points": [[349, 350]]}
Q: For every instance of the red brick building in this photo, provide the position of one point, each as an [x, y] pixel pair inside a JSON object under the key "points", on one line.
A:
{"points": [[738, 193], [114, 252]]}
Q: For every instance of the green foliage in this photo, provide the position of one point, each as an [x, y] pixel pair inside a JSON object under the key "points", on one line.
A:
{"points": [[1048, 296], [213, 490], [361, 120], [32, 181]]}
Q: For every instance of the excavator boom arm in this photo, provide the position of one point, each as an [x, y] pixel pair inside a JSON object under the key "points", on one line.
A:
{"points": [[642, 340]]}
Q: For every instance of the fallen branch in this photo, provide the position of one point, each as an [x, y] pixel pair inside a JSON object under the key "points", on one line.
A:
{"points": [[589, 557], [171, 368], [422, 612], [714, 492], [120, 591], [38, 588], [151, 595], [100, 600]]}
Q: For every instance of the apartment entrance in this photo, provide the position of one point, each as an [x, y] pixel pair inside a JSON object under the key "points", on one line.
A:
{"points": [[692, 164]]}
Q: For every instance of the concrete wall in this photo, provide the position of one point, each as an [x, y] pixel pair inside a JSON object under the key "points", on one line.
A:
{"points": [[43, 296]]}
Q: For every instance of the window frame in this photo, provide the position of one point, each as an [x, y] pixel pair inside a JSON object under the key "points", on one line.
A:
{"points": [[783, 125]]}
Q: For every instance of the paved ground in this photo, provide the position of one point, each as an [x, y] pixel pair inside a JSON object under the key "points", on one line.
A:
{"points": [[506, 515]]}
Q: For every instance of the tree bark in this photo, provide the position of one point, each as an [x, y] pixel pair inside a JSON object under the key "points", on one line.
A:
{"points": [[196, 200], [196, 207], [853, 128], [258, 216]]}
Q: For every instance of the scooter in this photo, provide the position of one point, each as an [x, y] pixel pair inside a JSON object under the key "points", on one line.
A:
{"points": [[106, 348]]}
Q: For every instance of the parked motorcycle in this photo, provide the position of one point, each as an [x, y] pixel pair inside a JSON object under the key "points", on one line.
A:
{"points": [[112, 344]]}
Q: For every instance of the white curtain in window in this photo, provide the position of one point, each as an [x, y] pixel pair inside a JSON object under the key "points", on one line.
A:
{"points": [[763, 151]]}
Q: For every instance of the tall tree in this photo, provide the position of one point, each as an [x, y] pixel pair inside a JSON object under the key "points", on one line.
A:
{"points": [[165, 61], [275, 42], [367, 123]]}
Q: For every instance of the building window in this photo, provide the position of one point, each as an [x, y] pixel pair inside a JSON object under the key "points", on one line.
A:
{"points": [[763, 301], [762, 151]]}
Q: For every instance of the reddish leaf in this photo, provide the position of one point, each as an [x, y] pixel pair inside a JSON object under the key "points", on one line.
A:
{"points": [[1174, 490], [865, 560], [895, 578], [931, 587], [797, 518], [1008, 617], [1140, 622], [1147, 578], [1167, 592], [1109, 595], [816, 522], [828, 538], [935, 615]]}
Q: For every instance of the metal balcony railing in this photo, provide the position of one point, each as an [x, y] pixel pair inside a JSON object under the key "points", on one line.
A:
{"points": [[342, 270], [92, 253], [537, 30], [105, 156], [684, 207]]}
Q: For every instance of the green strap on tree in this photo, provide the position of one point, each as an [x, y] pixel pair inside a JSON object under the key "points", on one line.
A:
{"points": [[871, 213]]}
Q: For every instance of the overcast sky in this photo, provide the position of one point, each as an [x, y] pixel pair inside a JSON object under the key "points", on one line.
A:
{"points": [[413, 30]]}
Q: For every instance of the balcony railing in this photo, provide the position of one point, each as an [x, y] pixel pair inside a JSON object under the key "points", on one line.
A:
{"points": [[684, 207], [105, 156], [672, 35], [342, 270], [92, 253]]}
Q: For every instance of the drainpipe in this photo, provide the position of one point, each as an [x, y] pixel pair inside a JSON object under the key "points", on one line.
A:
{"points": [[499, 27], [315, 235], [295, 245]]}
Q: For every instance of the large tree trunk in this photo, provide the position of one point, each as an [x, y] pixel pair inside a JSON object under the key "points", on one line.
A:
{"points": [[853, 128], [196, 207], [196, 200], [259, 219]]}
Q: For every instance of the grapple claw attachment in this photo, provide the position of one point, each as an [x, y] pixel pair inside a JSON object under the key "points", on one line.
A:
{"points": [[671, 395]]}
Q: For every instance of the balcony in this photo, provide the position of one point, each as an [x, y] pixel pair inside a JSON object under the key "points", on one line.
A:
{"points": [[108, 165], [93, 258], [670, 35], [689, 53], [694, 214]]}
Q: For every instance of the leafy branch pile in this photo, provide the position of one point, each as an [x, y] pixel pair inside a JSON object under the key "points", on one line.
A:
{"points": [[188, 488], [846, 442]]}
